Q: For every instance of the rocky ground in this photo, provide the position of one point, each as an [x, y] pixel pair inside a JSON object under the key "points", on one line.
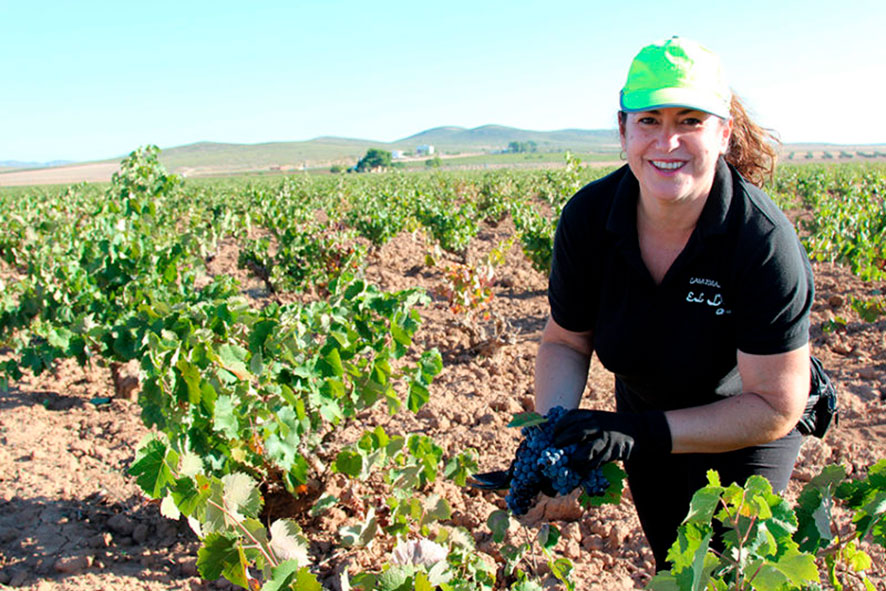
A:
{"points": [[70, 519]]}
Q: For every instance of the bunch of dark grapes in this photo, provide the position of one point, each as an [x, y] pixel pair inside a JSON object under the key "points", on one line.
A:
{"points": [[538, 466]]}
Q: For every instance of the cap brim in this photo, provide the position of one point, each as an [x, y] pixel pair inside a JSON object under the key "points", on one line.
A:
{"points": [[647, 100]]}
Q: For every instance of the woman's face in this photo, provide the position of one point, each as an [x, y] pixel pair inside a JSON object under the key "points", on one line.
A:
{"points": [[673, 151]]}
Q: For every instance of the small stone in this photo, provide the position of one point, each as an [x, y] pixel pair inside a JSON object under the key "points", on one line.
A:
{"points": [[101, 452], [842, 348], [140, 533], [572, 549], [121, 524], [486, 419], [836, 301], [802, 474], [8, 534], [618, 534], [80, 448], [17, 578], [571, 531], [189, 567], [100, 540], [71, 565], [868, 373]]}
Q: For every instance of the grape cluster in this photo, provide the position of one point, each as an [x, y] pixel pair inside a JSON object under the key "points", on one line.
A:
{"points": [[539, 466]]}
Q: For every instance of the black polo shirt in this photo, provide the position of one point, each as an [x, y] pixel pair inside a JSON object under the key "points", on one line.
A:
{"points": [[743, 282]]}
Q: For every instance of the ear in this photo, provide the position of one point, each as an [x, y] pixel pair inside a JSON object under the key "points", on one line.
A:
{"points": [[726, 134], [621, 133]]}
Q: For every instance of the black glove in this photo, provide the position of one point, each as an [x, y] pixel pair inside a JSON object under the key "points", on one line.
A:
{"points": [[606, 436], [497, 480]]}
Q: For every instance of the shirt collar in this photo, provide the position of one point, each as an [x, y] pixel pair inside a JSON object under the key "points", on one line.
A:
{"points": [[622, 219]]}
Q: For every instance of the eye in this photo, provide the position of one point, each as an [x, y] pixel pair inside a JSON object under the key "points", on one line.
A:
{"points": [[692, 121], [647, 120]]}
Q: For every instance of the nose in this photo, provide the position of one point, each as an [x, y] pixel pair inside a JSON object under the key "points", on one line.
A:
{"points": [[668, 138]]}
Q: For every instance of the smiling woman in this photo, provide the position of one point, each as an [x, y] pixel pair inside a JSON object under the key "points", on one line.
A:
{"points": [[659, 269]]}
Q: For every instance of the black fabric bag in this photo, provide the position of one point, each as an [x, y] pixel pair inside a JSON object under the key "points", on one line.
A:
{"points": [[821, 408]]}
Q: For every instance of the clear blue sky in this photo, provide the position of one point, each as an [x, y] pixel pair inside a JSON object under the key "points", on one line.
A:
{"points": [[90, 80]]}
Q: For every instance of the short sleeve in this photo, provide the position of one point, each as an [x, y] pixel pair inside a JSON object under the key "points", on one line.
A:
{"points": [[775, 295]]}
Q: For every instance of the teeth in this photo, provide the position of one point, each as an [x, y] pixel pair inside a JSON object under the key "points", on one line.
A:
{"points": [[667, 165]]}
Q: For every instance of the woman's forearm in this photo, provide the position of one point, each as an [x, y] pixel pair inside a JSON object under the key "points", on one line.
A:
{"points": [[726, 425], [560, 376], [776, 389]]}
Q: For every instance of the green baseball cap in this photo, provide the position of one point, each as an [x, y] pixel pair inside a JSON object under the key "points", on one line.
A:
{"points": [[676, 73]]}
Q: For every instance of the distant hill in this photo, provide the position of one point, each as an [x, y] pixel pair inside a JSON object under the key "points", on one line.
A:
{"points": [[209, 157], [493, 137], [17, 164], [206, 157]]}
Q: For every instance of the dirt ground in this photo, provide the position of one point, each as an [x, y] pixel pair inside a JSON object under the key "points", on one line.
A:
{"points": [[70, 519], [100, 172]]}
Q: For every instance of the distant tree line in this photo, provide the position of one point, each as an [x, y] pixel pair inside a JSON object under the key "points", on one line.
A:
{"points": [[522, 147], [374, 158]]}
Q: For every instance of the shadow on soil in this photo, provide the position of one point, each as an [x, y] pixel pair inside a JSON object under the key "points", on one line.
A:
{"points": [[50, 400], [47, 539]]}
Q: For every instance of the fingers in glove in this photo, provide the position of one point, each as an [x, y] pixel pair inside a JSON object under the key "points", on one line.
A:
{"points": [[497, 480], [590, 456]]}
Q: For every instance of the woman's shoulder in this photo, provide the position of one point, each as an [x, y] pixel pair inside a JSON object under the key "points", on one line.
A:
{"points": [[595, 199], [766, 234], [760, 211]]}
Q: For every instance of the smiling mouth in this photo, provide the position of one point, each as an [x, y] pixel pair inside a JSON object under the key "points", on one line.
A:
{"points": [[667, 165]]}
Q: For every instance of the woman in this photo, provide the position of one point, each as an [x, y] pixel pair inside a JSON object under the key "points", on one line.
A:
{"points": [[691, 287]]}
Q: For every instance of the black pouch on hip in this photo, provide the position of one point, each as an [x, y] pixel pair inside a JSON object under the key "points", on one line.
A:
{"points": [[821, 408]]}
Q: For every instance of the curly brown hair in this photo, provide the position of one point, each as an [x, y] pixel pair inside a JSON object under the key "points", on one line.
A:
{"points": [[752, 149]]}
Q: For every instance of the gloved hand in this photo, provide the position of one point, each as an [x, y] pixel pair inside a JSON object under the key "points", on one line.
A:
{"points": [[606, 436]]}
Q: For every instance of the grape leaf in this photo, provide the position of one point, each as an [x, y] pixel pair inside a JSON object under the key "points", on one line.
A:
{"points": [[325, 501], [499, 522], [349, 462], [418, 396], [288, 575], [221, 555], [793, 567], [361, 534], [233, 359], [548, 536], [287, 541], [241, 496], [526, 419], [150, 468], [225, 418]]}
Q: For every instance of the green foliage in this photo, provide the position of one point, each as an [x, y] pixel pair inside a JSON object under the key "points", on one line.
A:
{"points": [[301, 257], [848, 221], [536, 233], [515, 147], [769, 545], [375, 158], [869, 309]]}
